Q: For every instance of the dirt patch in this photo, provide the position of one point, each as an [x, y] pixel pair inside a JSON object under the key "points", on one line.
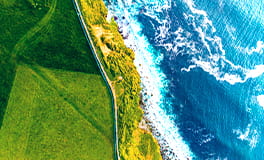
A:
{"points": [[101, 33]]}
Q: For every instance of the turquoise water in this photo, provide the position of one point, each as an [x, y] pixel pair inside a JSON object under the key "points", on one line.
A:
{"points": [[201, 65]]}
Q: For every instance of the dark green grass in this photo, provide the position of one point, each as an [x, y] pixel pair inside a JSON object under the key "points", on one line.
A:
{"points": [[53, 101], [14, 23], [7, 70], [48, 35]]}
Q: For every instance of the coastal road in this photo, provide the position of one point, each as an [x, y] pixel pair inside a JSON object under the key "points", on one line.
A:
{"points": [[105, 77]]}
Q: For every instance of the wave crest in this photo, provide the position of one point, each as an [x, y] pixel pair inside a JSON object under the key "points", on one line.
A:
{"points": [[204, 48]]}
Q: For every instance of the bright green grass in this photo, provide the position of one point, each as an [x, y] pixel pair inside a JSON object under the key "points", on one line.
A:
{"points": [[52, 114], [53, 101]]}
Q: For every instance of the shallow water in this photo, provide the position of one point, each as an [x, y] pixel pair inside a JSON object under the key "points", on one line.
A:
{"points": [[201, 65]]}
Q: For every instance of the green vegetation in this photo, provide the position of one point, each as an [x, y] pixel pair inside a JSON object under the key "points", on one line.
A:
{"points": [[53, 102], [147, 145], [53, 120], [134, 143]]}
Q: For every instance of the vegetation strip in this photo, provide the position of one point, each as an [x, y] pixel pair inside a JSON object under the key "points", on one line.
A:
{"points": [[135, 143], [103, 73]]}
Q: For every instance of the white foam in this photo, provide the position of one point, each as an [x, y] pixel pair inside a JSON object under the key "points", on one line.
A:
{"points": [[191, 5], [154, 82], [208, 62], [189, 68], [260, 99], [250, 135], [211, 68], [259, 48], [258, 71], [215, 63]]}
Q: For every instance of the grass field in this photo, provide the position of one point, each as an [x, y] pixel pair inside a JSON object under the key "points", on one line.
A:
{"points": [[54, 103]]}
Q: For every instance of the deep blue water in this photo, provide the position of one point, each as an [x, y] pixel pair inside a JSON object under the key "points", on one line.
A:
{"points": [[205, 62]]}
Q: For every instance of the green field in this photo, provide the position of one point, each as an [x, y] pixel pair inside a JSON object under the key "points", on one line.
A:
{"points": [[54, 103]]}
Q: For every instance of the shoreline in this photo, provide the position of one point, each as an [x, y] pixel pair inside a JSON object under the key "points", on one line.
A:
{"points": [[136, 141], [153, 83]]}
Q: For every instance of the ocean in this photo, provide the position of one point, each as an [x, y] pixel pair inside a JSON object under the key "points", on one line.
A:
{"points": [[202, 70]]}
